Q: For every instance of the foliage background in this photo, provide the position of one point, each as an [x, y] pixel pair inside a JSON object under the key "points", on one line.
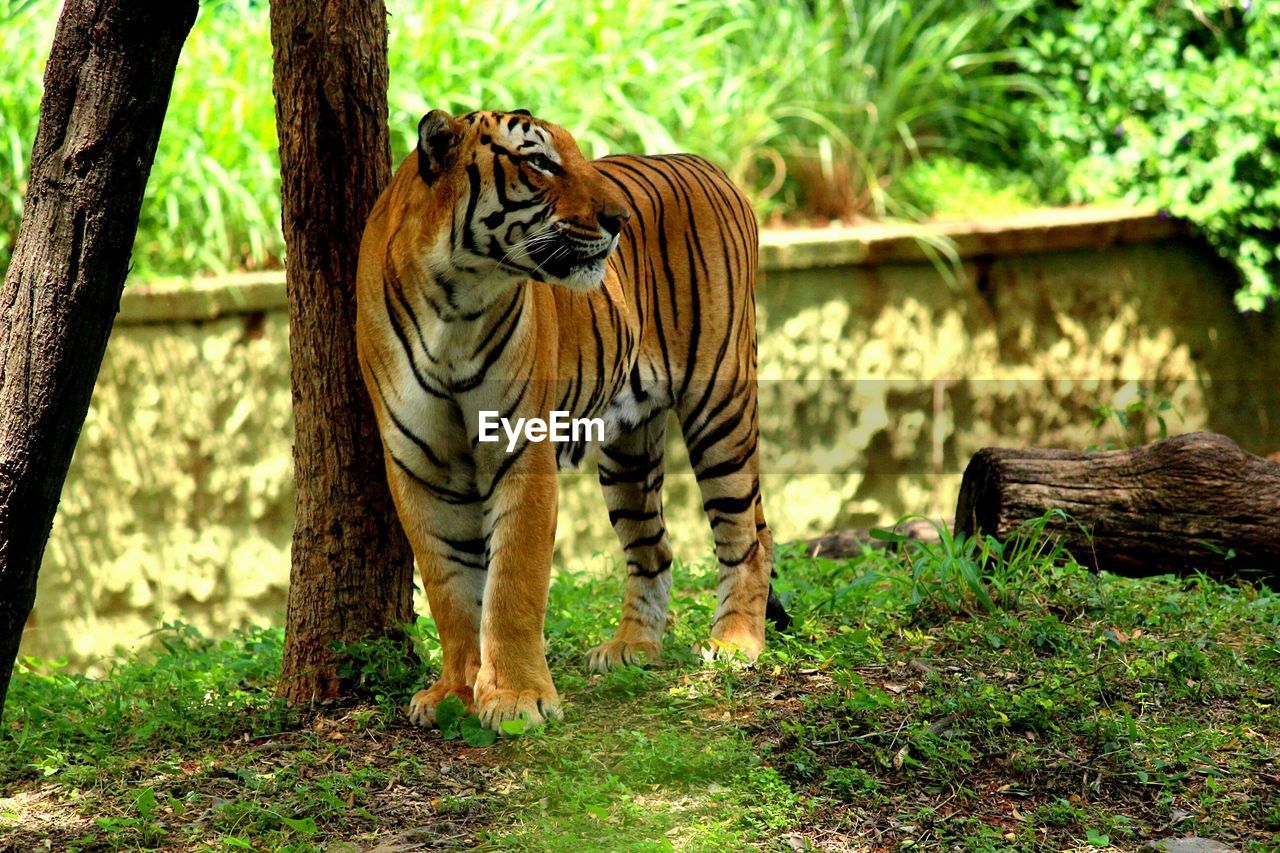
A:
{"points": [[1173, 103], [823, 109]]}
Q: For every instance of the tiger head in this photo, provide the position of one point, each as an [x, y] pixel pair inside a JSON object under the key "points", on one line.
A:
{"points": [[515, 198]]}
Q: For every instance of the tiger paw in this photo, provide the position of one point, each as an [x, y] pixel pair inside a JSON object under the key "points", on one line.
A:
{"points": [[536, 706], [620, 653], [744, 647], [422, 707]]}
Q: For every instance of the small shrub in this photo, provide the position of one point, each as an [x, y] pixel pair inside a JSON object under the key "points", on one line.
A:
{"points": [[948, 187], [1185, 661]]}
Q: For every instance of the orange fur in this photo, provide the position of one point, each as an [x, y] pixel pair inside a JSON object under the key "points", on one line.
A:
{"points": [[502, 271]]}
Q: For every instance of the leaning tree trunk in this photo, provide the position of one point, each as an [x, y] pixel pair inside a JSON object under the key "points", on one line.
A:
{"points": [[106, 88], [1194, 503], [352, 567]]}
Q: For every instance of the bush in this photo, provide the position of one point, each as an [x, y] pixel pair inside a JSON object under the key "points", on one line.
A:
{"points": [[1170, 104]]}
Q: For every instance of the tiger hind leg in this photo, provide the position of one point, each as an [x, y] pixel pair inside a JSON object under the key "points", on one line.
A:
{"points": [[722, 441], [631, 475], [774, 610]]}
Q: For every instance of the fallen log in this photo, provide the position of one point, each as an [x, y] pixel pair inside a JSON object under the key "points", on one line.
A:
{"points": [[1194, 503]]}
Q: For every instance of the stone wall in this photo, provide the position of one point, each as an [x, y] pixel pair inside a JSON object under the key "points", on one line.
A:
{"points": [[883, 365], [179, 501]]}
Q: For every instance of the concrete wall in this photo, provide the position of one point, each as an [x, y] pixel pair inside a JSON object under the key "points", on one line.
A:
{"points": [[881, 373]]}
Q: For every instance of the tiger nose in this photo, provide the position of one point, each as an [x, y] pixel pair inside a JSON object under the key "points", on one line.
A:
{"points": [[613, 220]]}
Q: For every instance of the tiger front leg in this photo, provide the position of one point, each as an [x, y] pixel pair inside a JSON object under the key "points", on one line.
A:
{"points": [[514, 681], [449, 549], [454, 592]]}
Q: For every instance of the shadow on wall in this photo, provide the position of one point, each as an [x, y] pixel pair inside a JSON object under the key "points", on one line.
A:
{"points": [[877, 384]]}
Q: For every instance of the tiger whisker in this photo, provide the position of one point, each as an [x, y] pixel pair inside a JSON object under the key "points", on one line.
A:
{"points": [[526, 243], [557, 253]]}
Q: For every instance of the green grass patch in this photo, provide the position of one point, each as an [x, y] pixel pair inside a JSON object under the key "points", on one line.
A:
{"points": [[935, 698]]}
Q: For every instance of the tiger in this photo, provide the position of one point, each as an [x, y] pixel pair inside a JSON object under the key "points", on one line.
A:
{"points": [[502, 272]]}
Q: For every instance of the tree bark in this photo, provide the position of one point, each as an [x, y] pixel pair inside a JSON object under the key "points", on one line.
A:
{"points": [[106, 89], [1194, 503], [352, 570]]}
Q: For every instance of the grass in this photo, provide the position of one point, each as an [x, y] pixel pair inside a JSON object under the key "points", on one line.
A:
{"points": [[814, 107], [918, 703]]}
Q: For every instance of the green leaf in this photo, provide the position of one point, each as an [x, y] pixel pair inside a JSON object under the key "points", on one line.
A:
{"points": [[515, 727], [474, 734], [146, 802], [303, 825], [449, 714], [1097, 839]]}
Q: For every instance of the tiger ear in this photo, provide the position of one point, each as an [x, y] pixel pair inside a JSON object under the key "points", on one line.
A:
{"points": [[436, 140]]}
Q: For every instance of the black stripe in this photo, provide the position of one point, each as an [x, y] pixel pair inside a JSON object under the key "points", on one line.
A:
{"points": [[636, 570], [408, 433], [616, 515], [645, 541], [731, 506]]}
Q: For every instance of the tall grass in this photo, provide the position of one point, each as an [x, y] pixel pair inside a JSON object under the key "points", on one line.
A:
{"points": [[657, 76], [213, 201], [814, 106], [891, 82], [26, 31]]}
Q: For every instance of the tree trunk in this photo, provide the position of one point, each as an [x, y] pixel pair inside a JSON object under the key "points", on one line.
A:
{"points": [[1192, 503], [106, 89], [352, 570]]}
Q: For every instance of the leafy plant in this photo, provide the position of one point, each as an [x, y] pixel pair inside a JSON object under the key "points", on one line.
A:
{"points": [[145, 825], [1169, 104], [1132, 412], [455, 722], [382, 667]]}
